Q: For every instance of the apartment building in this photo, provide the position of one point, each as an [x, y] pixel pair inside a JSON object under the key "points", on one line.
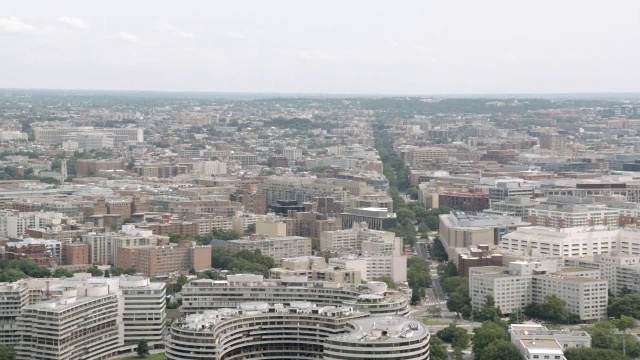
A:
{"points": [[287, 330], [510, 188], [463, 201], [82, 326], [373, 297], [162, 261], [376, 200], [13, 296], [622, 271], [103, 246], [374, 266], [375, 218], [14, 224], [513, 206], [274, 247], [416, 156], [360, 237], [571, 242], [122, 311], [315, 268], [302, 189], [522, 283], [573, 215], [58, 134], [380, 337]]}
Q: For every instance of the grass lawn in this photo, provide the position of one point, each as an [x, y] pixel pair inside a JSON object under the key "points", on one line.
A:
{"points": [[432, 322], [150, 357]]}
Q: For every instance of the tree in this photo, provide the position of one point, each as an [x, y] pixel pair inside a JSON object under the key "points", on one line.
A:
{"points": [[315, 244], [423, 228], [628, 305], [589, 353], [490, 332], [94, 271], [449, 333], [500, 349], [624, 323], [489, 311], [461, 340], [459, 301], [107, 273], [142, 349], [61, 272], [251, 229], [438, 351], [7, 353]]}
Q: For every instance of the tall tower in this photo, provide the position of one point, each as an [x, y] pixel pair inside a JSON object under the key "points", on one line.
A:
{"points": [[63, 169]]}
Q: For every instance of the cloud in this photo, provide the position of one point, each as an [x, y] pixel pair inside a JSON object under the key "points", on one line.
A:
{"points": [[236, 34], [174, 31], [73, 22], [122, 36], [315, 55], [11, 25]]}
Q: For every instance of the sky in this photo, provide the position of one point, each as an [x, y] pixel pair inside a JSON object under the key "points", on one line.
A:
{"points": [[422, 47]]}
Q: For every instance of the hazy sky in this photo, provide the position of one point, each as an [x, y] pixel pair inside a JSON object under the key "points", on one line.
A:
{"points": [[348, 46]]}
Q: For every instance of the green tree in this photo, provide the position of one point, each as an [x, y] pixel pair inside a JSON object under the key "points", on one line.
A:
{"points": [[142, 349], [315, 244], [251, 229], [7, 352], [589, 353], [500, 349], [449, 333], [94, 271], [488, 312], [628, 305], [487, 334], [461, 340], [61, 272], [438, 351], [459, 301]]}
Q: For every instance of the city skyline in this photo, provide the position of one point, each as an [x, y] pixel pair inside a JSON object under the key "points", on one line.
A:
{"points": [[282, 47]]}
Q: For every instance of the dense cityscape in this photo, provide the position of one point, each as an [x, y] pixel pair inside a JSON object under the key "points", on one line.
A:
{"points": [[191, 226]]}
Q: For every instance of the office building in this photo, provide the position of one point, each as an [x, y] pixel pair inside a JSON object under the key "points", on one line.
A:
{"points": [[315, 268], [622, 271], [274, 247], [374, 266], [573, 215], [462, 230], [360, 237], [513, 206], [375, 218], [510, 188], [522, 283]]}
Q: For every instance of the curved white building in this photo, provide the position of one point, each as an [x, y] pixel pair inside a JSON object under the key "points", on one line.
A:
{"points": [[298, 331], [373, 297], [389, 337]]}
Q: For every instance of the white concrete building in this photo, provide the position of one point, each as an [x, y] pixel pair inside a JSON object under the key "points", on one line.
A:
{"points": [[14, 223], [13, 297], [374, 266], [85, 324], [292, 153], [523, 283], [360, 237], [296, 330], [373, 297], [537, 342], [215, 167], [620, 270], [95, 318], [103, 246], [275, 247]]}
